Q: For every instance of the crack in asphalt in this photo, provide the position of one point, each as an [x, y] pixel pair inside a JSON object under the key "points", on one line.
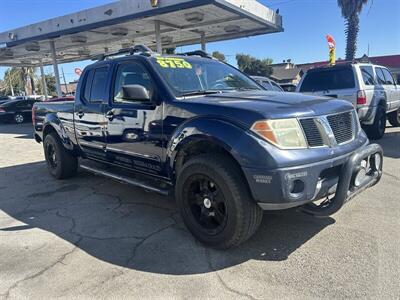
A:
{"points": [[391, 175], [222, 281], [72, 230], [33, 276]]}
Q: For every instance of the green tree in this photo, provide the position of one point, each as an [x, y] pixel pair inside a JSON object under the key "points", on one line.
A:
{"points": [[254, 66], [218, 55], [351, 10], [20, 79], [50, 83]]}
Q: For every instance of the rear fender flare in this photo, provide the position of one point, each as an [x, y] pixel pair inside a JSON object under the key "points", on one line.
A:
{"points": [[56, 125]]}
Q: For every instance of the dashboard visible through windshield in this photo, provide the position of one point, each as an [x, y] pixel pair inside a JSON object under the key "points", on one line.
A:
{"points": [[193, 75]]}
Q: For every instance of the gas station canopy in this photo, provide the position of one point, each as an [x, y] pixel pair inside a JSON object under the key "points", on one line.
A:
{"points": [[156, 24]]}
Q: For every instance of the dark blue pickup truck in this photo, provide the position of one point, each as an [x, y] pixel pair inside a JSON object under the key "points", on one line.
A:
{"points": [[227, 148]]}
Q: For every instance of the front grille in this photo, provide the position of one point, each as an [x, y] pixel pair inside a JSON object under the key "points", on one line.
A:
{"points": [[312, 133], [342, 126]]}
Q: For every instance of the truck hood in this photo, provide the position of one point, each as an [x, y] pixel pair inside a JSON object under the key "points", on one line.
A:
{"points": [[248, 106]]}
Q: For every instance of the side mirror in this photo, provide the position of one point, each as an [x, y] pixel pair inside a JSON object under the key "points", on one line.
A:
{"points": [[135, 92]]}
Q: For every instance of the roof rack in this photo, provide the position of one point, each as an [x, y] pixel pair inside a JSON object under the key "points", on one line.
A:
{"points": [[137, 49], [197, 53]]}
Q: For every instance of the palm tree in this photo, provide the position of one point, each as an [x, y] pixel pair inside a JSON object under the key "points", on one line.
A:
{"points": [[351, 10]]}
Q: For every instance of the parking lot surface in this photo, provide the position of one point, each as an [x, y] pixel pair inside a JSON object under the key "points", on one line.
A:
{"points": [[91, 237]]}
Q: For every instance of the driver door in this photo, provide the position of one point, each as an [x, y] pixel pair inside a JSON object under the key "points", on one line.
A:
{"points": [[134, 128]]}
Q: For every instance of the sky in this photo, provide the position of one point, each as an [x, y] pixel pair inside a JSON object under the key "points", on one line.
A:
{"points": [[305, 22]]}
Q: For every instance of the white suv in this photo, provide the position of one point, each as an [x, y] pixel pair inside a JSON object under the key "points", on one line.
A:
{"points": [[370, 88]]}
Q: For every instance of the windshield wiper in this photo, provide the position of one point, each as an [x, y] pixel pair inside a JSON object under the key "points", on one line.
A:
{"points": [[201, 92], [248, 89]]}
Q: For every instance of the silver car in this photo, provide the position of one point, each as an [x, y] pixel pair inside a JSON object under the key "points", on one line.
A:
{"points": [[267, 83], [370, 88]]}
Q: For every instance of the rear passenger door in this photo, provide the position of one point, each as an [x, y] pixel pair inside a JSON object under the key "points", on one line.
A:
{"points": [[393, 90], [89, 112]]}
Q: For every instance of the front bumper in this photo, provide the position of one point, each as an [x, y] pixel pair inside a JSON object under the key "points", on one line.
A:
{"points": [[296, 186]]}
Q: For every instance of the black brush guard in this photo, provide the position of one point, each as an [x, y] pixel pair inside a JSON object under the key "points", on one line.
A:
{"points": [[346, 189]]}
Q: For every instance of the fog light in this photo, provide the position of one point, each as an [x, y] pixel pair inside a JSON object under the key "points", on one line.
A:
{"points": [[360, 177], [296, 186]]}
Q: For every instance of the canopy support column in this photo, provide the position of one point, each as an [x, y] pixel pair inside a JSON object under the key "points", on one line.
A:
{"points": [[158, 36], [43, 77], [203, 41], [55, 67]]}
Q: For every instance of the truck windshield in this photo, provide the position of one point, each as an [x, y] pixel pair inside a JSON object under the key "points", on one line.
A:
{"points": [[195, 76]]}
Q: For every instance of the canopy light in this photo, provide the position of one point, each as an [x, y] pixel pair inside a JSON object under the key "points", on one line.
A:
{"points": [[6, 53], [167, 39], [83, 52], [194, 17], [232, 28], [78, 39], [120, 31], [26, 62], [34, 46], [126, 45]]}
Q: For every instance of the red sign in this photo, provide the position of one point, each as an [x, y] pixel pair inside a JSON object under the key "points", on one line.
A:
{"points": [[78, 71]]}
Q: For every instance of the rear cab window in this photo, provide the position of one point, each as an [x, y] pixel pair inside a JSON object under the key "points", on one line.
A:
{"points": [[328, 79]]}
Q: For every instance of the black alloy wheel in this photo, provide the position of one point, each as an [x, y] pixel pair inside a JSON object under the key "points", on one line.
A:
{"points": [[206, 204]]}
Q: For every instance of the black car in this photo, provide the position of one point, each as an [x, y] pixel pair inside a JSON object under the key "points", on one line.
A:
{"points": [[4, 99], [17, 111]]}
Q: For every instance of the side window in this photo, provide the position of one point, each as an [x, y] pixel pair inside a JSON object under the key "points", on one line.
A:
{"points": [[388, 77], [129, 74], [96, 81], [379, 76], [276, 87], [88, 85], [267, 85], [99, 83], [367, 75], [22, 104]]}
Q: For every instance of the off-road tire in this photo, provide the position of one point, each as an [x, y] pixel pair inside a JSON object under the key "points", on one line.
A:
{"points": [[66, 165], [244, 216], [377, 130], [394, 118]]}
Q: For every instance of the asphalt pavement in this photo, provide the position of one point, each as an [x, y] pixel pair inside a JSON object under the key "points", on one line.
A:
{"points": [[91, 237]]}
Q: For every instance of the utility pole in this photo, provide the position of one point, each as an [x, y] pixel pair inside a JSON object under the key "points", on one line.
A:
{"points": [[65, 82]]}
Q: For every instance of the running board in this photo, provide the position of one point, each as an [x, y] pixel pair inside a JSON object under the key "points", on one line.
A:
{"points": [[125, 179]]}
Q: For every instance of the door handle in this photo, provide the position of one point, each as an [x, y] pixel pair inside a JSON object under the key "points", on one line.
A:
{"points": [[110, 115], [80, 114]]}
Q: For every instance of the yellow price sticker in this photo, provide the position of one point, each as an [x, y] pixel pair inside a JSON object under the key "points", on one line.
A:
{"points": [[173, 62]]}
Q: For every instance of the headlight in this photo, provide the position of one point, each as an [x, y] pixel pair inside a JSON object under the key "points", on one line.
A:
{"points": [[283, 133]]}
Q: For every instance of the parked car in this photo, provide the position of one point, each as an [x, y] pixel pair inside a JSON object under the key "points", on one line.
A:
{"points": [[17, 111], [4, 99], [370, 88], [288, 87], [67, 98], [267, 83], [199, 128]]}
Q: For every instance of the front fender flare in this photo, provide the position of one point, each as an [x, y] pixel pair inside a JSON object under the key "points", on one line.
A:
{"points": [[238, 141]]}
